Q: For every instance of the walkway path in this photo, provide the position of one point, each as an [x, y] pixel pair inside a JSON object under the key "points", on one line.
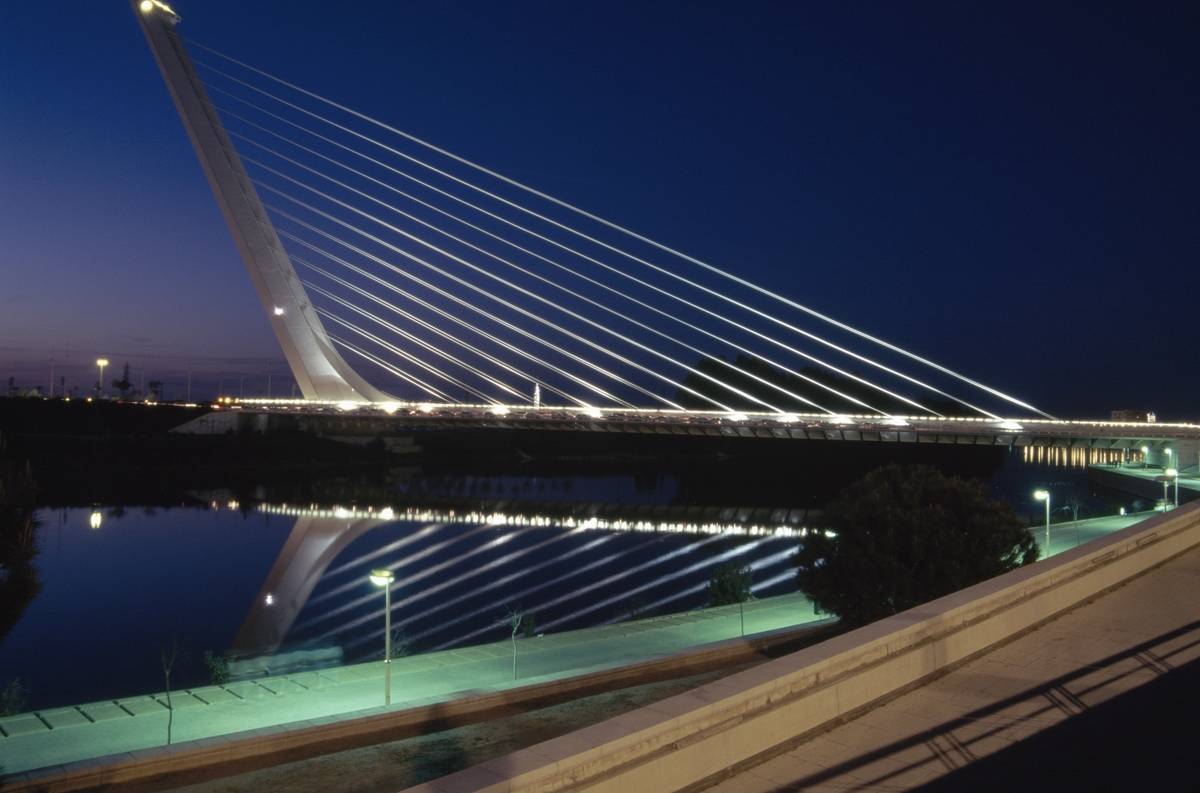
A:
{"points": [[1139, 633], [51, 737], [1187, 481]]}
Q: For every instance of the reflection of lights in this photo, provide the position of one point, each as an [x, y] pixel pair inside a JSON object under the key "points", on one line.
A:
{"points": [[269, 599], [497, 518], [95, 519]]}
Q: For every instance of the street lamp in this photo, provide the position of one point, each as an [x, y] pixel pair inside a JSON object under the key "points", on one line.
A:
{"points": [[1171, 473], [101, 362], [383, 579], [1044, 495], [95, 519]]}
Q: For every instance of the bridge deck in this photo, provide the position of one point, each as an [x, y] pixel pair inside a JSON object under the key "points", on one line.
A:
{"points": [[364, 418]]}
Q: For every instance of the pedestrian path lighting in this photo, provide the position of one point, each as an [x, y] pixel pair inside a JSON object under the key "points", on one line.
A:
{"points": [[383, 580], [1171, 474], [1044, 495], [100, 362]]}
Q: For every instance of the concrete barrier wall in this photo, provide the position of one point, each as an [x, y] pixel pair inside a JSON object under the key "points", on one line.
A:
{"points": [[682, 741]]}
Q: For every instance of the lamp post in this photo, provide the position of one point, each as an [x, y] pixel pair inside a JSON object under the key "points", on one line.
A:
{"points": [[1169, 474], [1145, 456], [1044, 495], [101, 362], [383, 579], [1170, 459]]}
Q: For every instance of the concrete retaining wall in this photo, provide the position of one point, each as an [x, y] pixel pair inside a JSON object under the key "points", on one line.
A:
{"points": [[682, 741]]}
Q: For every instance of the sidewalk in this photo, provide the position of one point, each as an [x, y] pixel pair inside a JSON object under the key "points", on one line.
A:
{"points": [[61, 735], [1187, 481], [1084, 668]]}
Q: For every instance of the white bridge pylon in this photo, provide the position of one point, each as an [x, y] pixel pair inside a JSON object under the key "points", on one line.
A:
{"points": [[459, 292], [320, 371]]}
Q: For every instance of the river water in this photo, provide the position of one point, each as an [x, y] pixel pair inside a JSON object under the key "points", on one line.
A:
{"points": [[252, 574]]}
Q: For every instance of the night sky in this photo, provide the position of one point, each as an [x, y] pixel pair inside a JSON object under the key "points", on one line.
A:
{"points": [[1008, 188]]}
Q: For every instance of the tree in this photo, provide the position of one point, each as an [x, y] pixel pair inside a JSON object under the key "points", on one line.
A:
{"points": [[903, 536], [515, 616], [168, 657], [731, 584]]}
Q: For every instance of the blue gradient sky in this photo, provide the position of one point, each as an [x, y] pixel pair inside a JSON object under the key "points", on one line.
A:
{"points": [[1008, 188]]}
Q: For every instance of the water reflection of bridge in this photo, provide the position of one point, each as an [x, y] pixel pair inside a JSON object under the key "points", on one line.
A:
{"points": [[456, 542]]}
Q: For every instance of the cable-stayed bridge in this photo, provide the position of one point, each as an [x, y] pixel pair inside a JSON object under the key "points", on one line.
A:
{"points": [[467, 296]]}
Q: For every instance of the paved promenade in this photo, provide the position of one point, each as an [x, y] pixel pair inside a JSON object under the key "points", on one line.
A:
{"points": [[1080, 676], [1188, 480], [60, 735]]}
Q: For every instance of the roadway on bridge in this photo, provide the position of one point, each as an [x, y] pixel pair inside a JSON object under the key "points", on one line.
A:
{"points": [[62, 735]]}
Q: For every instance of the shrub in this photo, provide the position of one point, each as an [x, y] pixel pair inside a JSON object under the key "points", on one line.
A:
{"points": [[902, 536]]}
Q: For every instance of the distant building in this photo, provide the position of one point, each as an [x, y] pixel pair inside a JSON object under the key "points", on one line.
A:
{"points": [[1134, 415]]}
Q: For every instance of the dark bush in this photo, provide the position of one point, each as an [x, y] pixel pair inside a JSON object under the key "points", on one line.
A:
{"points": [[903, 536]]}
